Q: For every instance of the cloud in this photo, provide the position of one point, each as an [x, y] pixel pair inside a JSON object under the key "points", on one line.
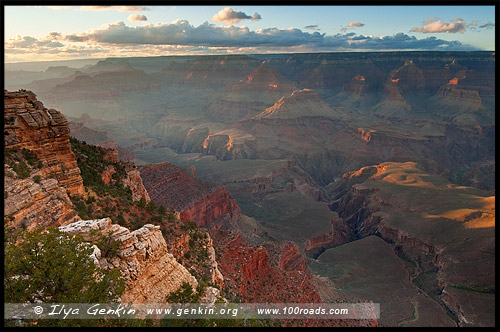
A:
{"points": [[311, 27], [352, 25], [181, 33], [137, 18], [179, 37], [229, 16], [30, 42], [355, 25], [489, 25], [430, 19], [116, 8], [435, 25]]}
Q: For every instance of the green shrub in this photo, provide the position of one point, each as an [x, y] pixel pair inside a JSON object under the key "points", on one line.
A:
{"points": [[30, 157], [57, 268], [22, 170], [183, 295], [37, 178]]}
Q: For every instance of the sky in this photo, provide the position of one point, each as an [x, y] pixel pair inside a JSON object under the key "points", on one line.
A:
{"points": [[42, 33]]}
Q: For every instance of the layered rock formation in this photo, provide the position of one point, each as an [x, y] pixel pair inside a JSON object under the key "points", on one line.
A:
{"points": [[29, 125], [429, 222], [33, 205], [194, 200], [38, 198], [259, 90], [150, 272]]}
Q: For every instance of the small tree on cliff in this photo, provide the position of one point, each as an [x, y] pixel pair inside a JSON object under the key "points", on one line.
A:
{"points": [[55, 267]]}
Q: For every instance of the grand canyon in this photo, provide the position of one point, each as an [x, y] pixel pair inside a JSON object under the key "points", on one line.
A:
{"points": [[325, 177]]}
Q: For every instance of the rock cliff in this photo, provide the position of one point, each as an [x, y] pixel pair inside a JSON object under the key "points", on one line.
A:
{"points": [[31, 205], [134, 182], [150, 272], [29, 125]]}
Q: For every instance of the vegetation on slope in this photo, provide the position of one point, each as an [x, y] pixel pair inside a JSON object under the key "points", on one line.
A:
{"points": [[113, 200]]}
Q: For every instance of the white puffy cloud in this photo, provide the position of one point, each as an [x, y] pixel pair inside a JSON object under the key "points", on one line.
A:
{"points": [[137, 18], [435, 25], [229, 16]]}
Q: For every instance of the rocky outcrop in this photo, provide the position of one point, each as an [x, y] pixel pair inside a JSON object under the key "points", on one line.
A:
{"points": [[150, 272], [216, 277], [134, 182], [29, 125], [33, 205], [196, 201], [107, 174]]}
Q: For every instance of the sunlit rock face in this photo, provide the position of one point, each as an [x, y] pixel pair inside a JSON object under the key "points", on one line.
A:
{"points": [[29, 125], [40, 200], [150, 272]]}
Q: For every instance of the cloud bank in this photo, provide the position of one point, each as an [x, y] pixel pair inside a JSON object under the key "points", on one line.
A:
{"points": [[229, 16], [180, 32], [180, 37]]}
